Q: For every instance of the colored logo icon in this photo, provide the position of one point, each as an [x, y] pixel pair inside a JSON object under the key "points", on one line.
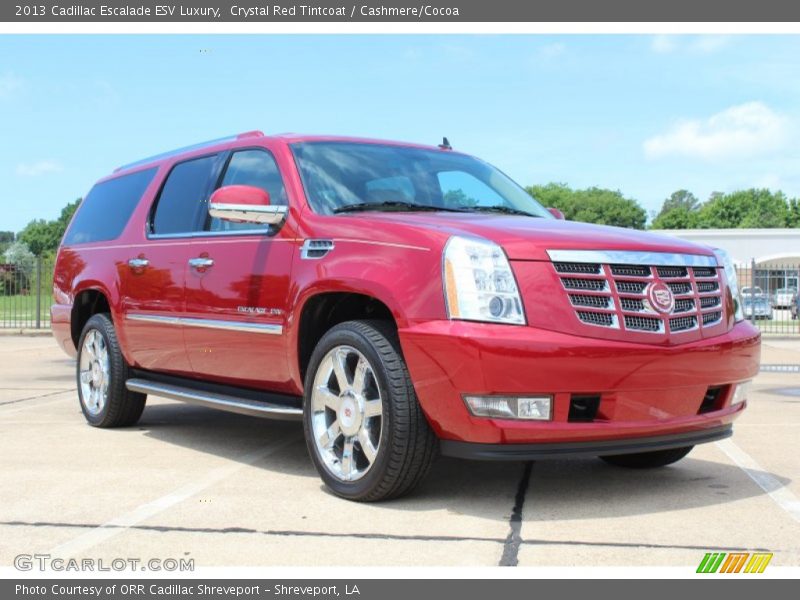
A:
{"points": [[734, 562]]}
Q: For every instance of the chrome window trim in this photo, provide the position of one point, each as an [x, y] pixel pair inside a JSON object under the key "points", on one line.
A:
{"points": [[268, 209], [267, 328], [262, 231], [626, 257]]}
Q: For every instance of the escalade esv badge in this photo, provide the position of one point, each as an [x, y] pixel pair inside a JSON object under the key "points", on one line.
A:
{"points": [[660, 298]]}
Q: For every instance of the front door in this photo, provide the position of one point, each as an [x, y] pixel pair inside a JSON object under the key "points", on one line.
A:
{"points": [[237, 286]]}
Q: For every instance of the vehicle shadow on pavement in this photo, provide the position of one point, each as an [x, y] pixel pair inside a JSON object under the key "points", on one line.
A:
{"points": [[557, 489], [593, 489]]}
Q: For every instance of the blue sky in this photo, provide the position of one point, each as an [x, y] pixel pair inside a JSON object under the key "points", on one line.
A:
{"points": [[643, 114]]}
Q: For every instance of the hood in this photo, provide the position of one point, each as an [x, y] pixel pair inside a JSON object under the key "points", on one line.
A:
{"points": [[526, 238]]}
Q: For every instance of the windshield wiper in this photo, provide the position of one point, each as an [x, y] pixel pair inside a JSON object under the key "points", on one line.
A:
{"points": [[397, 205], [506, 210]]}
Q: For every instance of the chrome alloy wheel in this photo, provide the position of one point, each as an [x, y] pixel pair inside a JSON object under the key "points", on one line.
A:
{"points": [[93, 369], [346, 413]]}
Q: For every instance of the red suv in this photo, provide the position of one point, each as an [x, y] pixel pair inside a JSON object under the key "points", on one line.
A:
{"points": [[402, 301]]}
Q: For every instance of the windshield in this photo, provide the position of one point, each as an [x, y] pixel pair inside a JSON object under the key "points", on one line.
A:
{"points": [[339, 176]]}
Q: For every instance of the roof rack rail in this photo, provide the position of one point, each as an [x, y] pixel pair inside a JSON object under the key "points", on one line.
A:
{"points": [[200, 146]]}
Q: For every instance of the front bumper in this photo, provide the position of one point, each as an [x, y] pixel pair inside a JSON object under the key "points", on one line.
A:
{"points": [[646, 392]]}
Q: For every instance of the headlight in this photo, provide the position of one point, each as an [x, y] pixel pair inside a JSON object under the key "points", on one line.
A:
{"points": [[733, 282], [479, 284]]}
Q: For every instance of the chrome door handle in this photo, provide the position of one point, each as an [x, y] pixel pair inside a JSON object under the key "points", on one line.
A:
{"points": [[201, 263], [138, 263]]}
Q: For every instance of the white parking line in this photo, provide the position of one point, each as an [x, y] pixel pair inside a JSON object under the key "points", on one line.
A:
{"points": [[119, 524], [779, 493]]}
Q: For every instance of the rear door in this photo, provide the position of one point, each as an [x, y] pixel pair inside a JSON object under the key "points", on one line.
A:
{"points": [[154, 276], [237, 286]]}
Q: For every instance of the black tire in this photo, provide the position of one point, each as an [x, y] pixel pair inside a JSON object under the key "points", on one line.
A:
{"points": [[122, 407], [407, 447], [648, 460]]}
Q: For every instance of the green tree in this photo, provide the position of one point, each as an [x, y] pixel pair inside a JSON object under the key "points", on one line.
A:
{"points": [[591, 205], [42, 237], [66, 213], [457, 199], [753, 208], [794, 213], [679, 211], [6, 239]]}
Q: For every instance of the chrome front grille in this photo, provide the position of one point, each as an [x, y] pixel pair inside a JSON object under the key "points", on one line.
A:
{"points": [[631, 287], [592, 301], [683, 323], [597, 318], [618, 295], [577, 268], [573, 283], [671, 272], [651, 324]]}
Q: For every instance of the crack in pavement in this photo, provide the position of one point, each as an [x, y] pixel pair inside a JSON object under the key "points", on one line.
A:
{"points": [[54, 393], [510, 556], [374, 536]]}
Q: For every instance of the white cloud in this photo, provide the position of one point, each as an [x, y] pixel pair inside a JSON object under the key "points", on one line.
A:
{"points": [[663, 44], [742, 131], [550, 51], [696, 44], [36, 169], [706, 44], [9, 83]]}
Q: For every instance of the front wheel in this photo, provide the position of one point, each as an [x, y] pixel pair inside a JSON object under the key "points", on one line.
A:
{"points": [[364, 428], [648, 460]]}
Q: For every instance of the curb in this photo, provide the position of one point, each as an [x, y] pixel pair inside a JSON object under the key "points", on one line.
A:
{"points": [[26, 332]]}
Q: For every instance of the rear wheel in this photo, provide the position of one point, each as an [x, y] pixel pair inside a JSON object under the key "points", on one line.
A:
{"points": [[101, 375], [648, 460], [364, 428]]}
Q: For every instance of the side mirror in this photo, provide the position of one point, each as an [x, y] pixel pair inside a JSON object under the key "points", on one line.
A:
{"points": [[245, 204], [557, 214]]}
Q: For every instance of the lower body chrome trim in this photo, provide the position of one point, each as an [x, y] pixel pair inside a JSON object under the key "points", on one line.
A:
{"points": [[268, 328], [224, 402]]}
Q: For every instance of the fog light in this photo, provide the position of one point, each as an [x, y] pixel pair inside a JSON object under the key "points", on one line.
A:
{"points": [[741, 392], [537, 408]]}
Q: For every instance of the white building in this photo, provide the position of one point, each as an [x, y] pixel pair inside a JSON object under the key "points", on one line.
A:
{"points": [[772, 254]]}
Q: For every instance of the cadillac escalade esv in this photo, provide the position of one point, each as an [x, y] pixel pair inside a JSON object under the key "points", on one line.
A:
{"points": [[403, 301]]}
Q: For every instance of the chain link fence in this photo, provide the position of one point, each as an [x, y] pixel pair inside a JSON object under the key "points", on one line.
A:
{"points": [[26, 293], [769, 296]]}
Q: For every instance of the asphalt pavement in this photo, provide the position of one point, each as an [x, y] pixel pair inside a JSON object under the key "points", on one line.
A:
{"points": [[230, 490]]}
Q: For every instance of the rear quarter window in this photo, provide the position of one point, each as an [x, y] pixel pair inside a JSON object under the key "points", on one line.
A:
{"points": [[107, 208]]}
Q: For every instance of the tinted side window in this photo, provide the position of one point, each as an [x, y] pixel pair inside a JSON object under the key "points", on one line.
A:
{"points": [[106, 209], [183, 194], [258, 169]]}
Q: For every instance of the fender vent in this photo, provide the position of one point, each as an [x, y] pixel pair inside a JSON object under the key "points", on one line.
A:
{"points": [[313, 249]]}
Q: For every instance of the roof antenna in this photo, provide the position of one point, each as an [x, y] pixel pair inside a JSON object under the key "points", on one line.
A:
{"points": [[445, 145]]}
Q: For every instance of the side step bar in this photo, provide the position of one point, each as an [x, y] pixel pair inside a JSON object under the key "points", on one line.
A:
{"points": [[225, 402]]}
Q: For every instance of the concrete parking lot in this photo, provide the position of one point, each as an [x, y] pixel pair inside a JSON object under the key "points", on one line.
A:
{"points": [[231, 490]]}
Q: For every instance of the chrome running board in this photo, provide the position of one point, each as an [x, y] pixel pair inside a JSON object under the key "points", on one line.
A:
{"points": [[242, 406]]}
